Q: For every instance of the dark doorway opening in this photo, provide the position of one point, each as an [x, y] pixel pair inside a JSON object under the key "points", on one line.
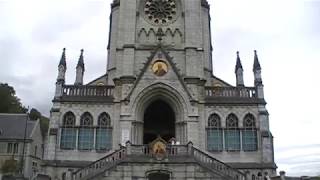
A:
{"points": [[159, 176], [159, 120]]}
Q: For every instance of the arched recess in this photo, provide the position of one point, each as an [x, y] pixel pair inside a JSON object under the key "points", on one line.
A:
{"points": [[158, 175], [168, 95]]}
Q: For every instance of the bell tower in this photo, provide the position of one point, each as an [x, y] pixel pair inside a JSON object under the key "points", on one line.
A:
{"points": [[134, 33]]}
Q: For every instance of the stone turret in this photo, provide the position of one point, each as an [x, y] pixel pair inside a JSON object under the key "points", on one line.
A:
{"points": [[239, 72], [62, 68], [257, 76], [80, 70]]}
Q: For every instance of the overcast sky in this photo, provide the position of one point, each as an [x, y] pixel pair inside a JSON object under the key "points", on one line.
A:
{"points": [[286, 34]]}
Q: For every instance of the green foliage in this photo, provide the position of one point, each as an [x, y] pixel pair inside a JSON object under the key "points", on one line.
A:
{"points": [[9, 166], [44, 125], [34, 114], [10, 103], [44, 121]]}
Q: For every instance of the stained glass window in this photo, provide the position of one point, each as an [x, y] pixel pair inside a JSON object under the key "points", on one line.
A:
{"points": [[214, 133], [86, 132], [104, 133], [232, 133], [68, 132], [249, 134]]}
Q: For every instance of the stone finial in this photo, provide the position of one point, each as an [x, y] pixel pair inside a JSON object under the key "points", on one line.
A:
{"points": [[256, 64], [63, 58], [282, 175]]}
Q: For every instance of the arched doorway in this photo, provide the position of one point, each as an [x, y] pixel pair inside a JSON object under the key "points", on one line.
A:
{"points": [[159, 120], [158, 176]]}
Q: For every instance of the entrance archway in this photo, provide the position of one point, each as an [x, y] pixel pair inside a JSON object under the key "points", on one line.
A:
{"points": [[159, 120], [158, 176]]}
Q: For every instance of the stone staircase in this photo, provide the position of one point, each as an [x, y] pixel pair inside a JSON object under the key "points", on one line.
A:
{"points": [[142, 153]]}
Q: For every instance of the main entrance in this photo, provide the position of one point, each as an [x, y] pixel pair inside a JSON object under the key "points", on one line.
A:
{"points": [[159, 120]]}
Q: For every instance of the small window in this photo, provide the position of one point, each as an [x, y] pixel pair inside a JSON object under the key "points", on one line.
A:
{"points": [[9, 148], [35, 151], [16, 148], [0, 132]]}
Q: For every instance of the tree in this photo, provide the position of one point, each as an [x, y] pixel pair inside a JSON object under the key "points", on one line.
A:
{"points": [[44, 121], [34, 114], [9, 102]]}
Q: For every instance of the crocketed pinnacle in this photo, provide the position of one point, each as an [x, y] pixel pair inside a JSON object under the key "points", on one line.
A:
{"points": [[238, 64], [63, 58], [81, 60], [256, 64]]}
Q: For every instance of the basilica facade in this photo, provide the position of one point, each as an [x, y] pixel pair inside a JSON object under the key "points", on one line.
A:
{"points": [[159, 112]]}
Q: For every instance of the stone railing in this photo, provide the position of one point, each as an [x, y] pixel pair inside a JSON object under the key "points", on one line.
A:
{"points": [[209, 162], [87, 91], [229, 92], [100, 166], [144, 150], [111, 160]]}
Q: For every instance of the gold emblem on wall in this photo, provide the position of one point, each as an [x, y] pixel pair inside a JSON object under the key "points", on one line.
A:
{"points": [[160, 68], [159, 148]]}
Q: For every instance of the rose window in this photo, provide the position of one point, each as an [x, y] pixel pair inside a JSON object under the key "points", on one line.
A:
{"points": [[160, 12]]}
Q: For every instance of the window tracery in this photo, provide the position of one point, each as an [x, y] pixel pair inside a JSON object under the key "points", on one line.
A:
{"points": [[160, 12]]}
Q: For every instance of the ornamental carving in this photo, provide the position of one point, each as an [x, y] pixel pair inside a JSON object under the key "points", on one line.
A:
{"points": [[160, 12]]}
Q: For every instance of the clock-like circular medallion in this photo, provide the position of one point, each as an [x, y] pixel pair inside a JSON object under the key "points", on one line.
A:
{"points": [[159, 68], [160, 12]]}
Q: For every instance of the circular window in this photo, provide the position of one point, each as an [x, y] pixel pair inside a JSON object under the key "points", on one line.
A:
{"points": [[160, 12]]}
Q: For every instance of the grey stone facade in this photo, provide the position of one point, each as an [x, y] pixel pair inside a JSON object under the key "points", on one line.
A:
{"points": [[130, 86]]}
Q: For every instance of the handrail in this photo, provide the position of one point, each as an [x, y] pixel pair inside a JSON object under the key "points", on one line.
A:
{"points": [[118, 156], [100, 165], [212, 163]]}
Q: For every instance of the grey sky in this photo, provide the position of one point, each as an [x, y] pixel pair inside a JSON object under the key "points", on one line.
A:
{"points": [[286, 34]]}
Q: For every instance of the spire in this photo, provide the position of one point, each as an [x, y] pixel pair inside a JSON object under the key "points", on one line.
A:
{"points": [[63, 58], [239, 72], [81, 62], [257, 76], [238, 64], [80, 70], [256, 64]]}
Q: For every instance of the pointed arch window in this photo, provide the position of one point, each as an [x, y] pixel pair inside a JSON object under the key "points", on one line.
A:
{"points": [[232, 133], [214, 133], [68, 132], [104, 133], [86, 132], [249, 133]]}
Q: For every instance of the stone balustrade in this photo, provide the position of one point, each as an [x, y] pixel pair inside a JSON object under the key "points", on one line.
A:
{"points": [[229, 92], [218, 166], [113, 159], [82, 91], [100, 165]]}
